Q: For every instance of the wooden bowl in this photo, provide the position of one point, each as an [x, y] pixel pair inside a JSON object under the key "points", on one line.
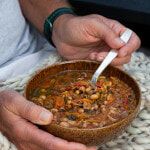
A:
{"points": [[95, 136]]}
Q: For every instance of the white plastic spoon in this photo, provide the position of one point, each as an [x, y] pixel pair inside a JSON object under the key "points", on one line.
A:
{"points": [[111, 55]]}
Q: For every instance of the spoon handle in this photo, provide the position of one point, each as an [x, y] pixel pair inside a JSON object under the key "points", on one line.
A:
{"points": [[111, 55]]}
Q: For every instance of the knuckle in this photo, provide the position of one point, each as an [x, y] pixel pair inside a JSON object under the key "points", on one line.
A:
{"points": [[32, 111], [8, 98], [17, 130], [115, 22], [49, 145], [28, 109], [94, 16], [127, 60], [22, 132]]}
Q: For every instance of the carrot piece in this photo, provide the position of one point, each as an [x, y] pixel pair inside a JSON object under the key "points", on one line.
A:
{"points": [[110, 98], [81, 83], [59, 102]]}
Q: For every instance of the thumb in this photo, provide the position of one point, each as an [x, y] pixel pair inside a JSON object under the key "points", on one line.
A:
{"points": [[26, 109], [34, 113], [109, 36]]}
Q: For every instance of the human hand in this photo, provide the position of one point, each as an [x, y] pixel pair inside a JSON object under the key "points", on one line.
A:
{"points": [[17, 115], [91, 37]]}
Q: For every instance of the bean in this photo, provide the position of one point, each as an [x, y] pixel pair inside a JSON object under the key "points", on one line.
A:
{"points": [[113, 108], [69, 106], [112, 111], [111, 118], [55, 118], [82, 88], [103, 110], [102, 77], [110, 97], [69, 102], [109, 83], [77, 92], [69, 97], [54, 110], [95, 124], [43, 97], [86, 105], [97, 93], [95, 107], [85, 124], [105, 102], [88, 89], [80, 110], [64, 124], [64, 120], [43, 90], [94, 97], [101, 124], [103, 106], [40, 101]]}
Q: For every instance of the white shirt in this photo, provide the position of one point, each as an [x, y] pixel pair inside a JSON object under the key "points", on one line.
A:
{"points": [[20, 44]]}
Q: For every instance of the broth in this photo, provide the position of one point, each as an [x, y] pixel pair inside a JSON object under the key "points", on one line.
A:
{"points": [[76, 103]]}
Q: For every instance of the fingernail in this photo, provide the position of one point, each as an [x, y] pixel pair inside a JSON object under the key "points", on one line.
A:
{"points": [[118, 40], [45, 117]]}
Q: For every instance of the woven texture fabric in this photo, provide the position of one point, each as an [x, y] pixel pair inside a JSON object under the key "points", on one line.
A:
{"points": [[137, 136]]}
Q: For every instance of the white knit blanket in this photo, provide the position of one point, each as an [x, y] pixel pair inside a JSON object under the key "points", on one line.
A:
{"points": [[137, 136]]}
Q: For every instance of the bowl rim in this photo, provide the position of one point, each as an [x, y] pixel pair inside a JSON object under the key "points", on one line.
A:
{"points": [[87, 61]]}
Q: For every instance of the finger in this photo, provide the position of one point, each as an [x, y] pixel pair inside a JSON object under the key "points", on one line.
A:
{"points": [[115, 25], [102, 52], [26, 109], [35, 114], [93, 55], [26, 146], [30, 146], [120, 67], [108, 35], [121, 61], [27, 132], [133, 44], [48, 142], [101, 56]]}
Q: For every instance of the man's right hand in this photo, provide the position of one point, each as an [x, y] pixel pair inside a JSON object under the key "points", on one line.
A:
{"points": [[17, 118]]}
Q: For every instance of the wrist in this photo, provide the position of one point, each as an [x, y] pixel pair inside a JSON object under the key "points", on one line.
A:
{"points": [[60, 25], [54, 18]]}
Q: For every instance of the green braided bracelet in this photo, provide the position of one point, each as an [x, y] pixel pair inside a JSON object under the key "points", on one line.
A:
{"points": [[48, 25]]}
